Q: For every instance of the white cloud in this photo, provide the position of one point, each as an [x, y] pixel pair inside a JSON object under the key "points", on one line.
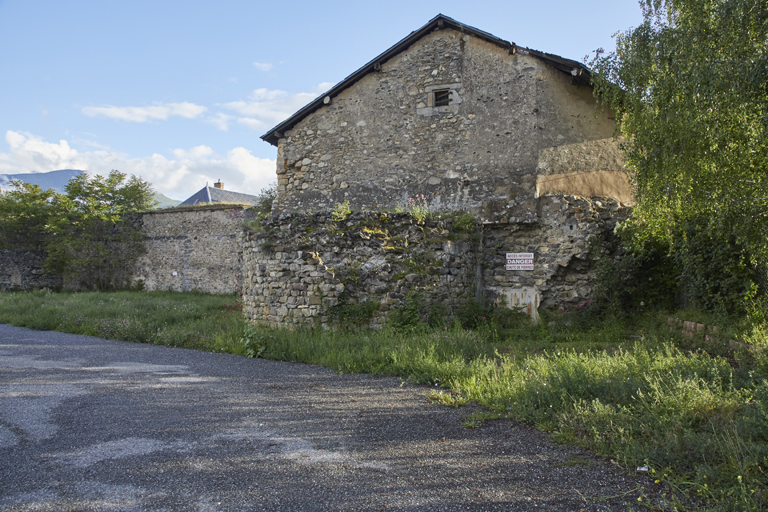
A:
{"points": [[265, 107], [194, 153], [263, 66], [179, 176], [250, 122], [34, 154], [220, 120], [143, 114]]}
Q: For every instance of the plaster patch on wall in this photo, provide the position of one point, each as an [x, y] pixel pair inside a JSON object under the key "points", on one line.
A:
{"points": [[610, 184], [526, 299]]}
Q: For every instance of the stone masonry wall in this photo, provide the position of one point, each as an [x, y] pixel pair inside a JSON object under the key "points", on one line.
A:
{"points": [[187, 249], [571, 235], [192, 249], [23, 270], [382, 140], [303, 270], [299, 268]]}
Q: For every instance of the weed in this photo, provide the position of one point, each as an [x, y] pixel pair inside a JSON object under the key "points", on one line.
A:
{"points": [[477, 418], [448, 398], [254, 341], [409, 313], [341, 211], [419, 208], [352, 315], [464, 223], [191, 320]]}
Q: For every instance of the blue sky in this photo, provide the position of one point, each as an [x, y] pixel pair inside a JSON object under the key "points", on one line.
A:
{"points": [[179, 92]]}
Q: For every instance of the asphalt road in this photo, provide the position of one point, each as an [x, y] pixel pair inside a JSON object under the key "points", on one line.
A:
{"points": [[91, 424]]}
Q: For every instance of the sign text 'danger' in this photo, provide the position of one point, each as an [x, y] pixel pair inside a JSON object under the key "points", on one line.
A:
{"points": [[519, 261]]}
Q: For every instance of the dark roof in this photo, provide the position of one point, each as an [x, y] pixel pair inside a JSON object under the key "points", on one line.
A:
{"points": [[579, 72], [216, 195]]}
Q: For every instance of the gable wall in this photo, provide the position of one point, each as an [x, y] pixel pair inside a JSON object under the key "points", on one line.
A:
{"points": [[375, 146]]}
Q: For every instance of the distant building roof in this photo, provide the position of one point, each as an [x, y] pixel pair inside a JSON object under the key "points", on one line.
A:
{"points": [[218, 195]]}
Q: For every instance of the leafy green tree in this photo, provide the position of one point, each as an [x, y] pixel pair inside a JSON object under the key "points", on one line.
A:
{"points": [[690, 90], [88, 233], [25, 210]]}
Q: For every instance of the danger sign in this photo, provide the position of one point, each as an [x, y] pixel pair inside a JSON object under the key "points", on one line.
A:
{"points": [[519, 261]]}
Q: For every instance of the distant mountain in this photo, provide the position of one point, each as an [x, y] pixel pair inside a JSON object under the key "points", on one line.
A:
{"points": [[57, 180], [165, 202]]}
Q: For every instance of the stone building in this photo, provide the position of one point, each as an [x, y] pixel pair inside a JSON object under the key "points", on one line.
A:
{"points": [[470, 121], [464, 121]]}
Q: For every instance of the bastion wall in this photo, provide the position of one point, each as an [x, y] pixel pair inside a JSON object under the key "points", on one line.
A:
{"points": [[192, 249], [304, 269]]}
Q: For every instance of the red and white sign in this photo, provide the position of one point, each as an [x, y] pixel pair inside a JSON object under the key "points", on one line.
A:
{"points": [[519, 261]]}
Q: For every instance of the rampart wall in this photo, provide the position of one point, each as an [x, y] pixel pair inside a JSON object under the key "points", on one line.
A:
{"points": [[23, 270], [192, 249], [309, 269], [312, 269], [186, 249]]}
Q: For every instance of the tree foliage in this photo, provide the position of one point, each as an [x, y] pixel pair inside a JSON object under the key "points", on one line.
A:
{"points": [[690, 90], [24, 214], [87, 232]]}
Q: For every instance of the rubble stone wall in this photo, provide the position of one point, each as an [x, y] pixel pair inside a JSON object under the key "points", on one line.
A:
{"points": [[23, 270], [190, 249], [572, 234], [304, 269], [307, 269]]}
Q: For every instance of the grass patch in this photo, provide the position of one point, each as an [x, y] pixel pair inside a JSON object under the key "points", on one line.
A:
{"points": [[190, 320], [694, 410]]}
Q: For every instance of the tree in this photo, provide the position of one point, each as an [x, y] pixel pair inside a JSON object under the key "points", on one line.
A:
{"points": [[88, 232], [24, 213], [690, 90]]}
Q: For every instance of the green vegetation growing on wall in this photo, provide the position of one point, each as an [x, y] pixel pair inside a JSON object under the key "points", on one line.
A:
{"points": [[255, 216], [341, 211]]}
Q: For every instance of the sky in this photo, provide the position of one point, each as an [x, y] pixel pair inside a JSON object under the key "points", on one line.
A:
{"points": [[180, 92]]}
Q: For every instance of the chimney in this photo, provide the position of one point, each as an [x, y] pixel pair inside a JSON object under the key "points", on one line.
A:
{"points": [[219, 184]]}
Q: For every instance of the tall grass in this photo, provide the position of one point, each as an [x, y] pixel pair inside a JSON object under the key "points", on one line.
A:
{"points": [[190, 320], [628, 390], [694, 410]]}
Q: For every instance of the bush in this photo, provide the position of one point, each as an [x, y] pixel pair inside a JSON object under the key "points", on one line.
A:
{"points": [[352, 315], [714, 269], [475, 315], [644, 276]]}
